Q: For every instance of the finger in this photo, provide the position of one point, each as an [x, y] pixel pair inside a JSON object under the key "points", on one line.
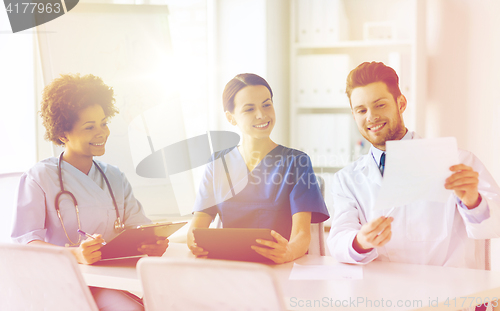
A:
{"points": [[274, 258], [91, 242], [268, 243], [374, 224], [198, 251], [381, 226], [462, 174], [382, 237], [86, 250], [460, 167], [464, 182], [386, 240], [279, 238], [269, 251]]}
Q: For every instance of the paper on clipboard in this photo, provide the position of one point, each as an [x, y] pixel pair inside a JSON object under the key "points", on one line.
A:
{"points": [[416, 170]]}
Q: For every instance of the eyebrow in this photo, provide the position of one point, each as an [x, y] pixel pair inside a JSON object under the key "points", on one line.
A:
{"points": [[373, 102], [93, 122], [251, 104]]}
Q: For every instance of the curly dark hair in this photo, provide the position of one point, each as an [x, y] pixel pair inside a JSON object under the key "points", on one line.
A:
{"points": [[66, 96]]}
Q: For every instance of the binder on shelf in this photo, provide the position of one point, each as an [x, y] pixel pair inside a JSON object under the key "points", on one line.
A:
{"points": [[336, 22], [321, 21], [304, 21], [343, 145], [321, 80], [325, 138]]}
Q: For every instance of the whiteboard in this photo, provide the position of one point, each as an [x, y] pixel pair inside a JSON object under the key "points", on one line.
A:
{"points": [[128, 47]]}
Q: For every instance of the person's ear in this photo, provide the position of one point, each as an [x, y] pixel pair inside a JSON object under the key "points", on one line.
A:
{"points": [[63, 138], [230, 118], [402, 103]]}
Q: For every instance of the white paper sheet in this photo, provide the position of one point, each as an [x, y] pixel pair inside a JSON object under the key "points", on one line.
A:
{"points": [[416, 170], [326, 272]]}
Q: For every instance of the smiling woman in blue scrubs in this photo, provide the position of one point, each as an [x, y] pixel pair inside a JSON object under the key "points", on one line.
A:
{"points": [[75, 111], [276, 188]]}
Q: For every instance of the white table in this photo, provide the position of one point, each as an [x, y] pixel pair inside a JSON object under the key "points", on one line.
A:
{"points": [[383, 283]]}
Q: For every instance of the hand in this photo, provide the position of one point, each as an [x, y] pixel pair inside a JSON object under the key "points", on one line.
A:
{"points": [[464, 183], [156, 249], [88, 251], [279, 251], [373, 234], [198, 251]]}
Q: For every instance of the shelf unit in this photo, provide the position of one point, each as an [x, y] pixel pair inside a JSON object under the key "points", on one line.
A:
{"points": [[329, 38]]}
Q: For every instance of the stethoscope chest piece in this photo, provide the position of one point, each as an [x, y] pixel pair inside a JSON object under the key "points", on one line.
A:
{"points": [[119, 225]]}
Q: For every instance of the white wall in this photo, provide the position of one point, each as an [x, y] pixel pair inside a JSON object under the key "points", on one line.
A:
{"points": [[252, 36], [464, 76], [464, 80]]}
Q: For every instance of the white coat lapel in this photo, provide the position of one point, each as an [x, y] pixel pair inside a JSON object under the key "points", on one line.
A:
{"points": [[370, 169]]}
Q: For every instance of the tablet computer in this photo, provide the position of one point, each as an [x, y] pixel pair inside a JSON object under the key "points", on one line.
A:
{"points": [[232, 243], [129, 240]]}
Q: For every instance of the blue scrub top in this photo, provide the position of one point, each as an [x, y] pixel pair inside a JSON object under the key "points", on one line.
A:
{"points": [[282, 184]]}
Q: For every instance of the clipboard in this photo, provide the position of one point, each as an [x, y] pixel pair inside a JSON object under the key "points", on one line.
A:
{"points": [[126, 243], [232, 243]]}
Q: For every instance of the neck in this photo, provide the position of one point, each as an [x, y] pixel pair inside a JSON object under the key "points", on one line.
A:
{"points": [[254, 150], [81, 162], [398, 136]]}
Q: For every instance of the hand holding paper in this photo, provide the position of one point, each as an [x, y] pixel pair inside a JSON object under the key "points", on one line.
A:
{"points": [[464, 182]]}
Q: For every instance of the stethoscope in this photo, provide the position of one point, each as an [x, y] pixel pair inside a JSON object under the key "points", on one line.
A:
{"points": [[119, 225]]}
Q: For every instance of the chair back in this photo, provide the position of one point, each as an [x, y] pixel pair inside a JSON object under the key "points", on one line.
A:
{"points": [[9, 184], [41, 278], [208, 284], [317, 244]]}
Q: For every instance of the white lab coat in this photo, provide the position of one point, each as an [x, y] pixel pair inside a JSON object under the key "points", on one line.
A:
{"points": [[429, 233], [36, 217]]}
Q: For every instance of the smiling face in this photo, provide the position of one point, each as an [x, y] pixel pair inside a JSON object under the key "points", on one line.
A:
{"points": [[253, 112], [378, 116], [89, 134]]}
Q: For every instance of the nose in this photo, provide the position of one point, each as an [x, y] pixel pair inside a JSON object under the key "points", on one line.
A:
{"points": [[259, 113], [372, 116], [103, 132]]}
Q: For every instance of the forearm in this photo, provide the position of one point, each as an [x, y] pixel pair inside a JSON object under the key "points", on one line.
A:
{"points": [[41, 243], [200, 220], [299, 244]]}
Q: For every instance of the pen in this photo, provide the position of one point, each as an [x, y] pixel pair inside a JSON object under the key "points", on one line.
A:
{"points": [[390, 212], [83, 233]]}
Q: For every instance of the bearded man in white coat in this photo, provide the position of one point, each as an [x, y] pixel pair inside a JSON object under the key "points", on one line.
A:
{"points": [[428, 233]]}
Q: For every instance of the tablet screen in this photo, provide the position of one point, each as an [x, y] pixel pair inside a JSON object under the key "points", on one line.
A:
{"points": [[129, 240], [232, 243]]}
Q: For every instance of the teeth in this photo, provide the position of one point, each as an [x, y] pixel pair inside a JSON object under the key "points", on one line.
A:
{"points": [[376, 127], [97, 144], [262, 125]]}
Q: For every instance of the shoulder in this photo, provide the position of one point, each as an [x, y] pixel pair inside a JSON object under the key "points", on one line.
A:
{"points": [[218, 154], [42, 168], [289, 157], [359, 164], [290, 151]]}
